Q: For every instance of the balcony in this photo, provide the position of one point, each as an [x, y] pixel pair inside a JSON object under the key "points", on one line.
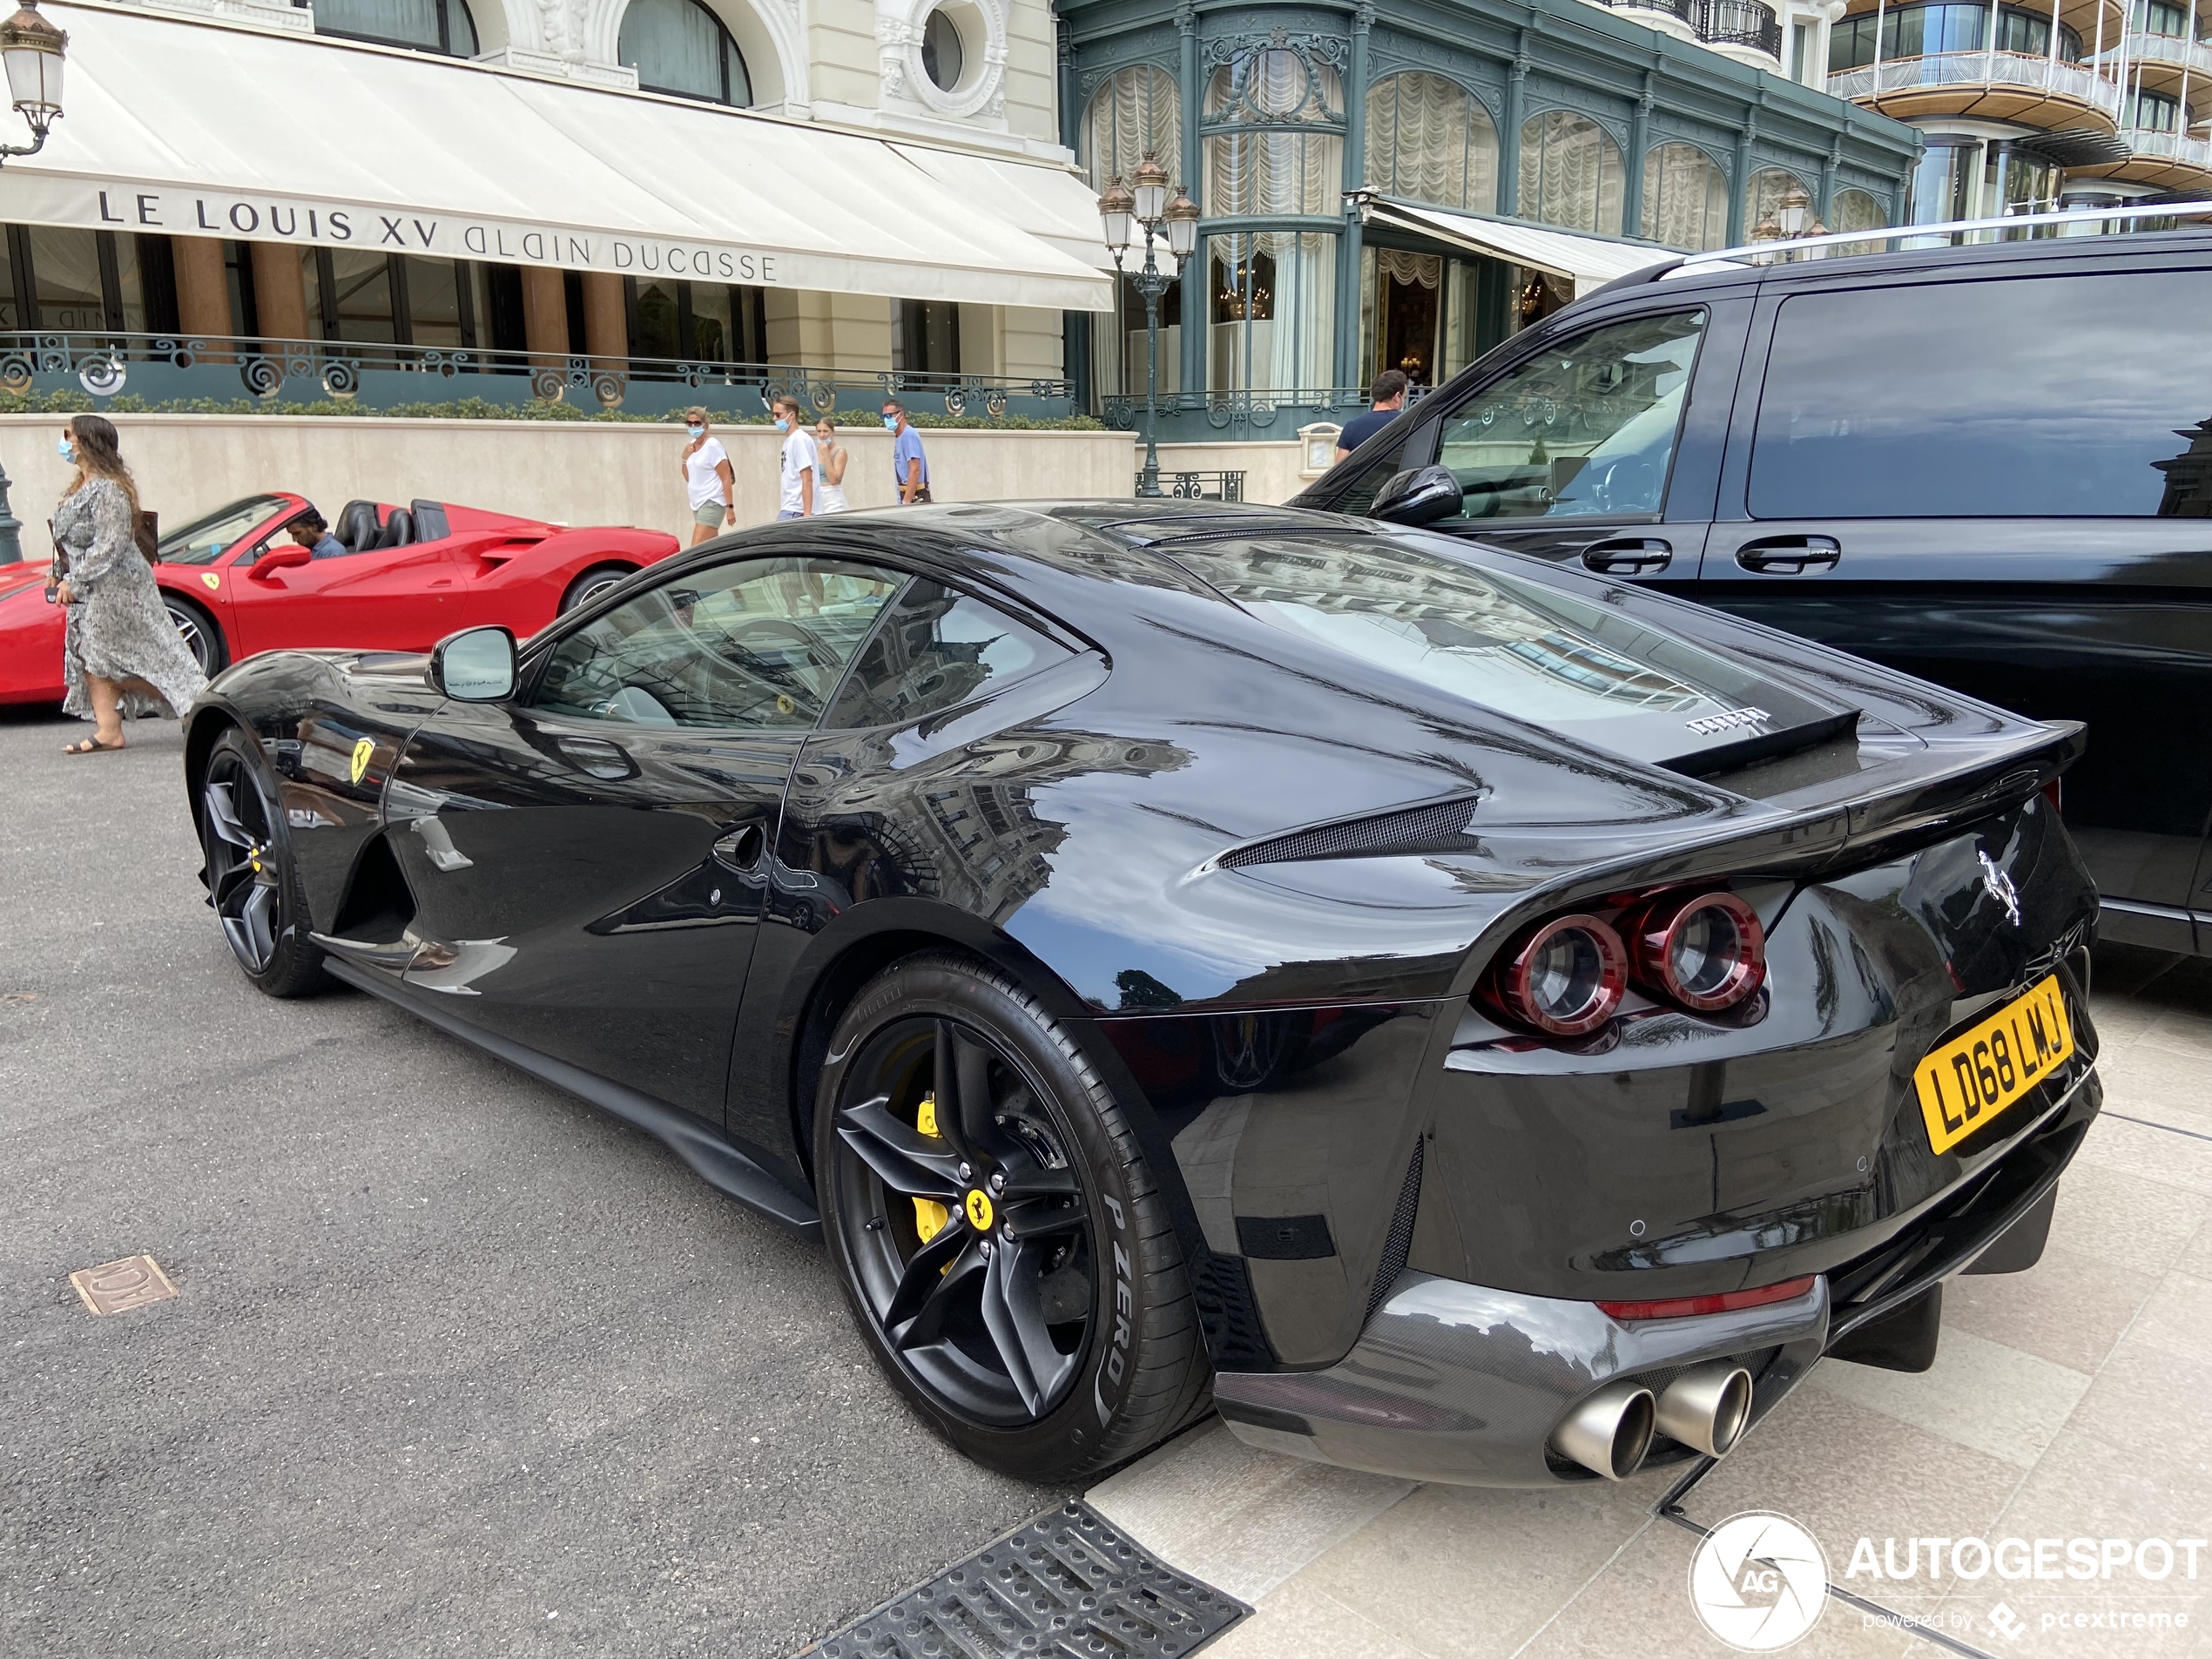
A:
{"points": [[2033, 89], [2195, 56], [1733, 26]]}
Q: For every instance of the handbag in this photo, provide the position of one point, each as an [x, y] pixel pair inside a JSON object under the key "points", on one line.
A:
{"points": [[148, 535]]}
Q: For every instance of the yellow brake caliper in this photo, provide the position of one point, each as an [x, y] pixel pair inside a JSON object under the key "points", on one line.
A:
{"points": [[930, 1216]]}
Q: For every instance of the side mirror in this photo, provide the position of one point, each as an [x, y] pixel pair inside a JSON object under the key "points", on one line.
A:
{"points": [[286, 558], [1419, 497], [475, 665]]}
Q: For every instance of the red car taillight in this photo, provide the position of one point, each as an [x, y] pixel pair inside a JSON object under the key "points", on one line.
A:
{"points": [[1565, 977], [1705, 951], [1683, 1307]]}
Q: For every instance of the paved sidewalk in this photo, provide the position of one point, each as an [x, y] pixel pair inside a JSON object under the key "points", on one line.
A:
{"points": [[2068, 1400]]}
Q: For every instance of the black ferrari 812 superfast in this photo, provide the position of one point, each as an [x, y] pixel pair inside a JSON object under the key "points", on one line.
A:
{"points": [[1457, 1016]]}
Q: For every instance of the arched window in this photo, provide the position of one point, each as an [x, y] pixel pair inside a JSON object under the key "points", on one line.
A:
{"points": [[1134, 113], [1277, 164], [1428, 140], [1856, 210], [1685, 198], [1762, 196], [1570, 174], [427, 25], [680, 48]]}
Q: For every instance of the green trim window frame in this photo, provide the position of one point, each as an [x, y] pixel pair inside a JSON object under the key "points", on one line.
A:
{"points": [[441, 26], [680, 48]]}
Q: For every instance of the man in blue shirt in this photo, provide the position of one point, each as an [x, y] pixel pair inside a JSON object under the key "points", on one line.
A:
{"points": [[909, 466], [1389, 394], [310, 531]]}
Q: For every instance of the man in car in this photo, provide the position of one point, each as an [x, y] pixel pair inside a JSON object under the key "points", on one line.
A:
{"points": [[1389, 394], [311, 532]]}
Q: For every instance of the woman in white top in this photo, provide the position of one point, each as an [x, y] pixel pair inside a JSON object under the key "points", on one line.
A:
{"points": [[829, 469], [707, 479]]}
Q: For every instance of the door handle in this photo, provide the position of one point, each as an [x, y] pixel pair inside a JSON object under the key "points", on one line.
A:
{"points": [[741, 848], [599, 757], [1789, 555], [1628, 556]]}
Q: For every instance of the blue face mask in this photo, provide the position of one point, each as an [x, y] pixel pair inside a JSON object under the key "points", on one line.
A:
{"points": [[782, 425], [696, 431], [64, 447], [890, 423]]}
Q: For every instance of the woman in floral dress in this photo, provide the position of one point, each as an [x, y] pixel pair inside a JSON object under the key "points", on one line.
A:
{"points": [[119, 640]]}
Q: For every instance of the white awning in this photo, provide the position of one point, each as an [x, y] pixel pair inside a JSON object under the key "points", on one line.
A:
{"points": [[192, 128], [1589, 262]]}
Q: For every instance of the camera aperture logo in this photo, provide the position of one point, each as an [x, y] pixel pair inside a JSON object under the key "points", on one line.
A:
{"points": [[1758, 1582]]}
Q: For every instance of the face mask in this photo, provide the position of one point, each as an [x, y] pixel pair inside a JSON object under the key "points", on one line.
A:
{"points": [[64, 447], [890, 423], [782, 425], [696, 431]]}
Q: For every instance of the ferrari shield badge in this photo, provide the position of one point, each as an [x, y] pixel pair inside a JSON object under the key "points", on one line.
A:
{"points": [[211, 579], [364, 752]]}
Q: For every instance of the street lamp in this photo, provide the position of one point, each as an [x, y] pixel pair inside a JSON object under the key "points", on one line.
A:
{"points": [[31, 50], [1122, 212]]}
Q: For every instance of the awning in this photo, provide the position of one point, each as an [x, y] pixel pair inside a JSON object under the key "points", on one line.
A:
{"points": [[1589, 262], [193, 128]]}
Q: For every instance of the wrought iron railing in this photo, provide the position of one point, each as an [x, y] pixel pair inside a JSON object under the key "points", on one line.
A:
{"points": [[1276, 414], [1975, 68], [162, 368], [1741, 23], [1687, 11], [1199, 486]]}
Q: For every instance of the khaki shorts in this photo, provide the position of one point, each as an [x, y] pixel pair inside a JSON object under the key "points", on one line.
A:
{"points": [[709, 515]]}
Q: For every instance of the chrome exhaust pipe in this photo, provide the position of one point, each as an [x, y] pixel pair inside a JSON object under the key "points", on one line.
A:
{"points": [[1707, 1407], [1609, 1432]]}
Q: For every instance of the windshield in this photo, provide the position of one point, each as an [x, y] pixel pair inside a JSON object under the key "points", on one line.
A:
{"points": [[1516, 647], [205, 539]]}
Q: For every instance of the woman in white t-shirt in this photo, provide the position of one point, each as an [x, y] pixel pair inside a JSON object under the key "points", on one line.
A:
{"points": [[830, 459], [707, 479]]}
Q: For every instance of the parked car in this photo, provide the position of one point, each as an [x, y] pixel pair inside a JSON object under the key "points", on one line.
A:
{"points": [[1490, 1022], [236, 584], [1988, 466]]}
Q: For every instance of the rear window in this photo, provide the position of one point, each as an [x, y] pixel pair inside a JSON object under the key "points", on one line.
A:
{"points": [[2057, 397]]}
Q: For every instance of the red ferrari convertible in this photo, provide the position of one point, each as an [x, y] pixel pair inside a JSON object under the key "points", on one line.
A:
{"points": [[236, 584]]}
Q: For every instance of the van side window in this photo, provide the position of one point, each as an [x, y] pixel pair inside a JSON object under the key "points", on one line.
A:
{"points": [[2056, 396], [1585, 427]]}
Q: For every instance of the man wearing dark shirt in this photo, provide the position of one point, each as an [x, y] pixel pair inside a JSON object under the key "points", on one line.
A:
{"points": [[1389, 392]]}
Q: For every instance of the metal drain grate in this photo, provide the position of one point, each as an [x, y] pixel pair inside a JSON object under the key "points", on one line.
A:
{"points": [[1067, 1586]]}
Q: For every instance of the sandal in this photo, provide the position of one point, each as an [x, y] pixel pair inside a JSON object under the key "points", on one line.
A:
{"points": [[90, 745]]}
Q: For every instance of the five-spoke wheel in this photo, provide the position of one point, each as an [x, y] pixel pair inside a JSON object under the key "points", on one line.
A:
{"points": [[249, 876]]}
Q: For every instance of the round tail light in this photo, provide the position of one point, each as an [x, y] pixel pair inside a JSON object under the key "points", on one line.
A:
{"points": [[1705, 951], [1567, 977]]}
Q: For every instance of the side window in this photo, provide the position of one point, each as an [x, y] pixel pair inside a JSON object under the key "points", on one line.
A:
{"points": [[938, 649], [1586, 426], [2057, 396], [1360, 494], [754, 643]]}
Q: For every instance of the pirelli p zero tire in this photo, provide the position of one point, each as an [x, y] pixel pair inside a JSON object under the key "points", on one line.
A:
{"points": [[999, 1234], [252, 881]]}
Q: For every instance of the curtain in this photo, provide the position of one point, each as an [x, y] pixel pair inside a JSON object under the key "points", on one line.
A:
{"points": [[1135, 111], [65, 264], [1273, 307], [1685, 198], [1570, 174], [1427, 141], [1769, 186], [675, 46], [1273, 172], [414, 22]]}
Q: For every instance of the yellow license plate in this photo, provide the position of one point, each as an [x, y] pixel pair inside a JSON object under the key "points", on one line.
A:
{"points": [[1981, 1071]]}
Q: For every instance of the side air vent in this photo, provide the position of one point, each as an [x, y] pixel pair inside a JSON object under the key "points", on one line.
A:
{"points": [[1399, 1244], [1440, 826]]}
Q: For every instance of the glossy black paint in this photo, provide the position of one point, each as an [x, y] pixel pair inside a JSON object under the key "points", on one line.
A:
{"points": [[669, 920], [2103, 620]]}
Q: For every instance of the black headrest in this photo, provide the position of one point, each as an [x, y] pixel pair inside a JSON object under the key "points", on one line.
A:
{"points": [[399, 529], [357, 525]]}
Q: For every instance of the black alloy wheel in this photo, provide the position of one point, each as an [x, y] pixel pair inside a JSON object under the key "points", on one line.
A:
{"points": [[201, 636], [251, 882], [997, 1231], [593, 583]]}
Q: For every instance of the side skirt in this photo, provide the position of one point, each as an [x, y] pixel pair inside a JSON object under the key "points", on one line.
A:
{"points": [[721, 1165]]}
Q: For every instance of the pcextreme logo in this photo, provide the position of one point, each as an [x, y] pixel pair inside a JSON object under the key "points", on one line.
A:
{"points": [[1758, 1582]]}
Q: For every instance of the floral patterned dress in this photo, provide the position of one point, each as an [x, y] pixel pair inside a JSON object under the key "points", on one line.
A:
{"points": [[118, 628]]}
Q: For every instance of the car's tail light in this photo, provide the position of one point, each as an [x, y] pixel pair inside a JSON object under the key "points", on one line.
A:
{"points": [[1565, 977], [2054, 792], [1705, 951], [1683, 1307]]}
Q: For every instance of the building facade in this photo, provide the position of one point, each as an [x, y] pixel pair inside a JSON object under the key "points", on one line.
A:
{"points": [[1301, 130]]}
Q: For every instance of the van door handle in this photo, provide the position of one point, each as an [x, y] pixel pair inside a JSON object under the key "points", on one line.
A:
{"points": [[1789, 555], [1628, 556]]}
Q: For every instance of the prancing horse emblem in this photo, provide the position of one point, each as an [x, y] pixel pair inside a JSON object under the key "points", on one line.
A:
{"points": [[2000, 888]]}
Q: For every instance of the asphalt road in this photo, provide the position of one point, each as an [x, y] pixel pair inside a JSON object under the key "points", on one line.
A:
{"points": [[459, 1364]]}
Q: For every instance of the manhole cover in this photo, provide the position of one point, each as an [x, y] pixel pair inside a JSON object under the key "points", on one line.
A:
{"points": [[1067, 1586], [117, 1287]]}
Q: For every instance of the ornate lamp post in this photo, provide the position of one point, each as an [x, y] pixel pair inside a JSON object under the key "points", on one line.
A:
{"points": [[1122, 212], [31, 51]]}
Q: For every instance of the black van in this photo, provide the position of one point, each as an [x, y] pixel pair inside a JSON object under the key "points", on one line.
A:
{"points": [[1988, 466]]}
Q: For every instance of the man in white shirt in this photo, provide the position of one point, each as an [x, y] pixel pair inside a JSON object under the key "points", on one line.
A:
{"points": [[797, 477], [707, 479]]}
